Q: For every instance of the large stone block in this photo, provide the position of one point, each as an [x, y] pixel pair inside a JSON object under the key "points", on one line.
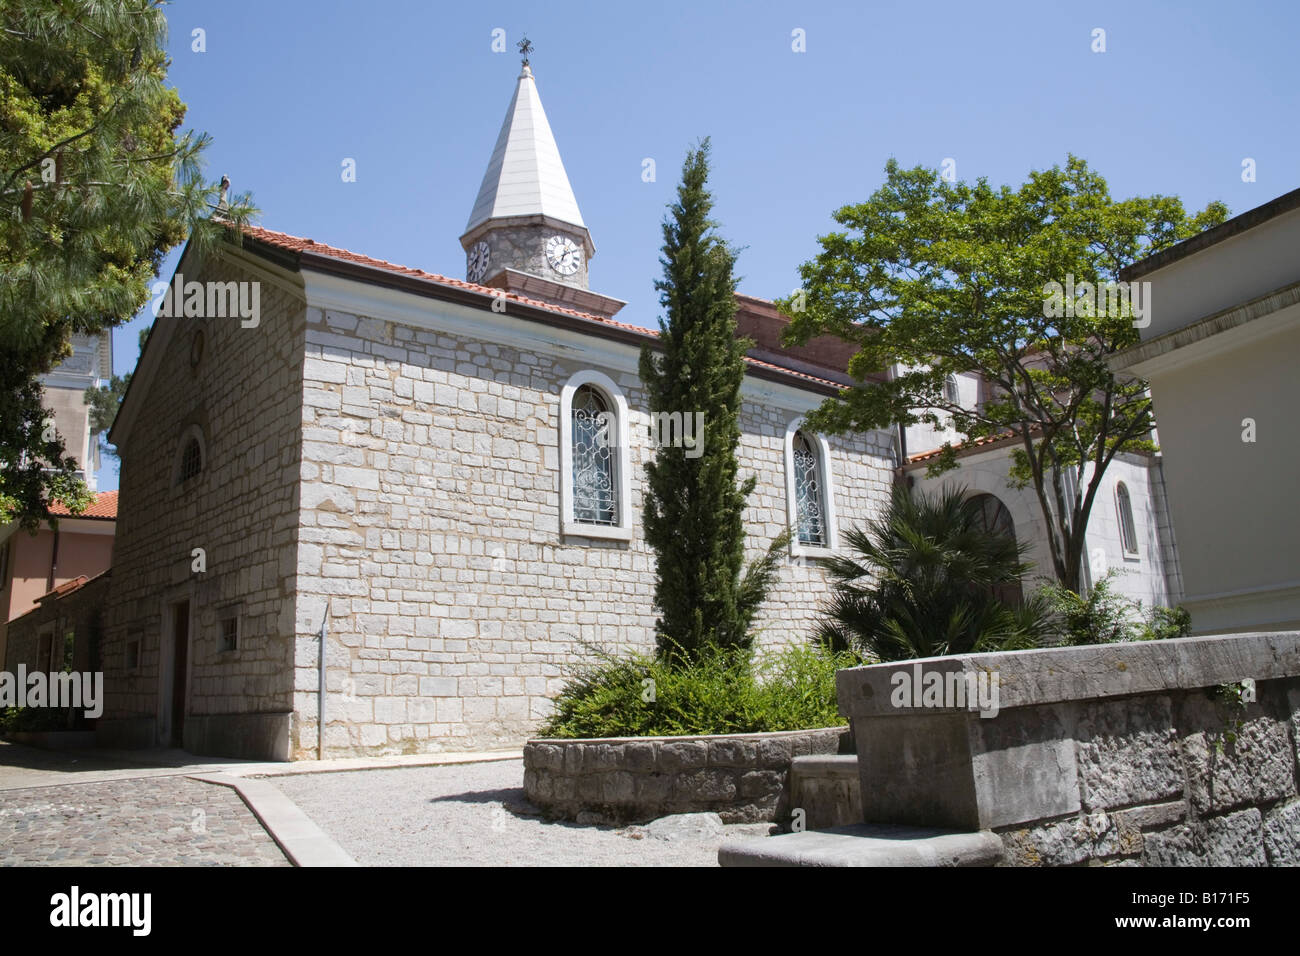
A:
{"points": [[1257, 766], [1127, 752], [1232, 840], [677, 756], [1282, 834]]}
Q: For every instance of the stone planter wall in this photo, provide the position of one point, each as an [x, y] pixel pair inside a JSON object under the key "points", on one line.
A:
{"points": [[742, 777], [1111, 754]]}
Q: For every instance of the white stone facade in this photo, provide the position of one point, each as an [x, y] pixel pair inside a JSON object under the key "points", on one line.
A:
{"points": [[397, 456], [431, 521]]}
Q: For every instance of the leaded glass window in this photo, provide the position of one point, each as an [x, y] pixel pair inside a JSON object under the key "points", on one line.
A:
{"points": [[595, 498], [808, 485]]}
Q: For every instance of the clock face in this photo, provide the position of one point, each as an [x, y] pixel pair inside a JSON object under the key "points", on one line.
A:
{"points": [[478, 262], [563, 255]]}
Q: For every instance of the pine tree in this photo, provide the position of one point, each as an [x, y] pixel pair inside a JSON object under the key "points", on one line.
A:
{"points": [[97, 183], [693, 502]]}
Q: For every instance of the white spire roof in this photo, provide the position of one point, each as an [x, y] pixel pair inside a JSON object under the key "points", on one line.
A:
{"points": [[525, 176]]}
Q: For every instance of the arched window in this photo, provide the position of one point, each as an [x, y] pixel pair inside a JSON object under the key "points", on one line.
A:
{"points": [[595, 479], [191, 455], [595, 488], [1127, 531], [809, 493], [950, 390], [808, 485], [994, 518], [191, 460]]}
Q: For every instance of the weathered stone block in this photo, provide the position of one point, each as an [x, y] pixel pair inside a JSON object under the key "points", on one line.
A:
{"points": [[682, 755], [732, 753], [703, 788], [620, 787], [1282, 834], [639, 757], [760, 783], [1258, 766], [1232, 840], [601, 757], [1057, 844], [775, 753], [546, 757], [1127, 752], [653, 790]]}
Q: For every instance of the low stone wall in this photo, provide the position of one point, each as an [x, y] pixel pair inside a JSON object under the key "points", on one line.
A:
{"points": [[1113, 754], [741, 777]]}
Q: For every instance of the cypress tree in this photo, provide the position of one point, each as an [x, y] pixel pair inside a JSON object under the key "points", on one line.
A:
{"points": [[693, 502]]}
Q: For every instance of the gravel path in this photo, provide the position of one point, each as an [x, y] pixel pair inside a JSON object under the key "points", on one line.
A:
{"points": [[476, 815]]}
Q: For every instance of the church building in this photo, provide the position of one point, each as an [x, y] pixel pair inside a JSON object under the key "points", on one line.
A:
{"points": [[438, 480]]}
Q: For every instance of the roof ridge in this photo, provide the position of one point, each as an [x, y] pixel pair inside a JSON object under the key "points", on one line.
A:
{"points": [[277, 238]]}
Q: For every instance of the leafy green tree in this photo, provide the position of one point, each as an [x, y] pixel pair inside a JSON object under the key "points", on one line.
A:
{"points": [[694, 501], [931, 278], [922, 581], [96, 185]]}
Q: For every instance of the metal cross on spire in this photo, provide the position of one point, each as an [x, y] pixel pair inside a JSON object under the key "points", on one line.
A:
{"points": [[525, 48]]}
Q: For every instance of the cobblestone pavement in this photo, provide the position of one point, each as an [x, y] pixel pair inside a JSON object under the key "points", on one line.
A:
{"points": [[150, 821], [476, 815]]}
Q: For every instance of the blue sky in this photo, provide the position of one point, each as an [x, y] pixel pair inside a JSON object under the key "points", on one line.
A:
{"points": [[413, 92]]}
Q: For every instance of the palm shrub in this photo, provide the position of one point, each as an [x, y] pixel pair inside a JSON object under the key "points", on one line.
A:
{"points": [[919, 582]]}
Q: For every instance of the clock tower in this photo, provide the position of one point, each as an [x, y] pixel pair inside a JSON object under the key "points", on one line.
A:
{"points": [[526, 234]]}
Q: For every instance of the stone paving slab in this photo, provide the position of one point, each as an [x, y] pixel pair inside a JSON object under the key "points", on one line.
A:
{"points": [[147, 821]]}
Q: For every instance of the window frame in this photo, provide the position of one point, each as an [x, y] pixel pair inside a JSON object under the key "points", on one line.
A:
{"points": [[229, 614], [195, 433], [827, 481], [1127, 522], [952, 390], [570, 527]]}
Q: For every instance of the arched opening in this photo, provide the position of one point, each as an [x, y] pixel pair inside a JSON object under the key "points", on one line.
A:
{"points": [[994, 518]]}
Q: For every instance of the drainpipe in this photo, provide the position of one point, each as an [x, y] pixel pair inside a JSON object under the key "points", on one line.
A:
{"points": [[320, 692]]}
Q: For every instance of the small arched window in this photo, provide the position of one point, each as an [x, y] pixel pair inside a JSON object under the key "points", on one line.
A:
{"points": [[595, 478], [191, 460], [809, 493], [191, 456], [1127, 530], [950, 390]]}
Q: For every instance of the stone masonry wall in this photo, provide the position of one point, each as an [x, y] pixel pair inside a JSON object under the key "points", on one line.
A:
{"points": [[244, 395], [1182, 752], [430, 519], [742, 777], [1178, 779]]}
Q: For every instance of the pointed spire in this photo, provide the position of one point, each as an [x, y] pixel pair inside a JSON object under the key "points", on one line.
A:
{"points": [[525, 176]]}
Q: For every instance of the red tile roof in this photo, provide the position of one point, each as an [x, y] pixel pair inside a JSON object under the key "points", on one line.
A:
{"points": [[103, 506], [299, 245], [968, 446]]}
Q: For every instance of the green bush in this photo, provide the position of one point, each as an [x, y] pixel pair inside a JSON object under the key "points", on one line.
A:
{"points": [[719, 692], [1107, 617], [32, 719]]}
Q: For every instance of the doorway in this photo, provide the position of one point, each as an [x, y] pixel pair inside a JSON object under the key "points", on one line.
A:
{"points": [[180, 658]]}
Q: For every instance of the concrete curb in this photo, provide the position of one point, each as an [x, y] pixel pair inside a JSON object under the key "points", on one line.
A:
{"points": [[303, 842], [349, 764]]}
